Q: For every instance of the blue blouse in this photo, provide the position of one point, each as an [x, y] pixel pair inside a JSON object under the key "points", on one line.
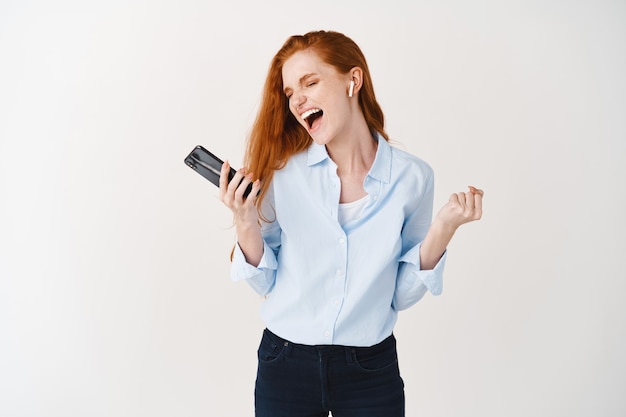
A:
{"points": [[330, 284]]}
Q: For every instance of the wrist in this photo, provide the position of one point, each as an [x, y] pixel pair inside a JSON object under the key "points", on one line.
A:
{"points": [[247, 227], [443, 227]]}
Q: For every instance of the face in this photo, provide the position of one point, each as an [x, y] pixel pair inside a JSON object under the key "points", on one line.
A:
{"points": [[317, 95]]}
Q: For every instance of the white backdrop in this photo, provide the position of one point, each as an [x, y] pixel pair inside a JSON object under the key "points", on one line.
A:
{"points": [[115, 298]]}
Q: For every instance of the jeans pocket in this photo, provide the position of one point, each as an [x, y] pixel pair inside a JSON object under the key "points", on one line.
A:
{"points": [[376, 358], [270, 350]]}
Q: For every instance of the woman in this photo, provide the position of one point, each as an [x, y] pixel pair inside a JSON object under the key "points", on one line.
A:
{"points": [[336, 234]]}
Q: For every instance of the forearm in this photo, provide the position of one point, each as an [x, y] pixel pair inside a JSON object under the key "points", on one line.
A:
{"points": [[460, 209], [251, 243], [435, 243]]}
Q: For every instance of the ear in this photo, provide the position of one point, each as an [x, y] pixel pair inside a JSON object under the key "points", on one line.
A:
{"points": [[356, 75]]}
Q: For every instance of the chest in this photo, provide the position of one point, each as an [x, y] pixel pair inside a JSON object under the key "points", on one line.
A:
{"points": [[351, 187]]}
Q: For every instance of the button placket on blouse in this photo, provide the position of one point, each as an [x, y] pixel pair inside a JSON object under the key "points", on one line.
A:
{"points": [[335, 189], [338, 284]]}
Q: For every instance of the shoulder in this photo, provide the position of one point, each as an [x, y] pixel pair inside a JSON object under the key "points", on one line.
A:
{"points": [[296, 162], [403, 162], [293, 174]]}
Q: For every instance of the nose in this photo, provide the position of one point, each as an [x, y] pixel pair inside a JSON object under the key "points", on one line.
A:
{"points": [[298, 99]]}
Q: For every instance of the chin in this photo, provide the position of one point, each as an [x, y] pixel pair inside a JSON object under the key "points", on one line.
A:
{"points": [[320, 140]]}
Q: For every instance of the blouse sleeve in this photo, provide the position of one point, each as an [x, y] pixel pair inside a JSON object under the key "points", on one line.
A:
{"points": [[412, 282], [262, 277]]}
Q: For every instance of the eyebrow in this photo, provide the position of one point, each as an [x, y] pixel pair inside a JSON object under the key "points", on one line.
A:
{"points": [[301, 80]]}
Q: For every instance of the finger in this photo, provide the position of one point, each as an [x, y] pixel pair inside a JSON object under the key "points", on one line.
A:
{"points": [[475, 190], [469, 200], [234, 182], [254, 192], [241, 188], [461, 199], [454, 199], [224, 177], [478, 203]]}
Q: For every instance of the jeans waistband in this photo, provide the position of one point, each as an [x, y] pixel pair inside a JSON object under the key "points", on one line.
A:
{"points": [[388, 343]]}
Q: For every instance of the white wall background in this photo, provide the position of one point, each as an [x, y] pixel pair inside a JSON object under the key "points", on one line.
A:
{"points": [[115, 297]]}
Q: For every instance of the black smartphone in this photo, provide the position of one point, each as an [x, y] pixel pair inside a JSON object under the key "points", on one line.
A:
{"points": [[210, 166]]}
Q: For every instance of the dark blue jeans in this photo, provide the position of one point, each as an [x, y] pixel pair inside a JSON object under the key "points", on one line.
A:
{"points": [[296, 380]]}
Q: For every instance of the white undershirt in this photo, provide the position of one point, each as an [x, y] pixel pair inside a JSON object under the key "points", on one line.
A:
{"points": [[351, 211]]}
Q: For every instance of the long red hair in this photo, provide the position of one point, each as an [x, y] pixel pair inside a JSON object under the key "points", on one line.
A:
{"points": [[276, 135]]}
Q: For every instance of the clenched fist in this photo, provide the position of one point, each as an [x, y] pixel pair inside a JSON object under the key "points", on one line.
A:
{"points": [[462, 208]]}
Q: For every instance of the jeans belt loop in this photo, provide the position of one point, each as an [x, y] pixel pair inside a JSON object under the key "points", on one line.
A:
{"points": [[349, 355], [288, 346]]}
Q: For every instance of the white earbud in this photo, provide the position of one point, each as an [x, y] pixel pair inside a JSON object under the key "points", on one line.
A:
{"points": [[351, 89]]}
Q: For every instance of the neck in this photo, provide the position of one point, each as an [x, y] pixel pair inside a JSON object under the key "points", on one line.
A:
{"points": [[354, 152]]}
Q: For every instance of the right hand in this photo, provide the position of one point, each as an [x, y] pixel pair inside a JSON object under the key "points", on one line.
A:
{"points": [[231, 194]]}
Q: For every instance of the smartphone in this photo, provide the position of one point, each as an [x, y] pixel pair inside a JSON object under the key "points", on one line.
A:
{"points": [[210, 166]]}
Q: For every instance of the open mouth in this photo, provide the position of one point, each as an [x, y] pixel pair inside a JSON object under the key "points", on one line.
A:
{"points": [[310, 116]]}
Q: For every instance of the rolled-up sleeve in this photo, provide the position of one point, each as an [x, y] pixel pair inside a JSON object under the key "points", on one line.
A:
{"points": [[413, 282], [260, 278]]}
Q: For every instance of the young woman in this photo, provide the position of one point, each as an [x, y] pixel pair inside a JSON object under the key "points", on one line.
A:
{"points": [[336, 234]]}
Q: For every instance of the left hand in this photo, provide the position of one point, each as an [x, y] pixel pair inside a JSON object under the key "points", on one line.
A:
{"points": [[462, 208]]}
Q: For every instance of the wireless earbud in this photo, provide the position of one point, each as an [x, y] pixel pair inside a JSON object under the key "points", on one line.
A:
{"points": [[351, 89]]}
